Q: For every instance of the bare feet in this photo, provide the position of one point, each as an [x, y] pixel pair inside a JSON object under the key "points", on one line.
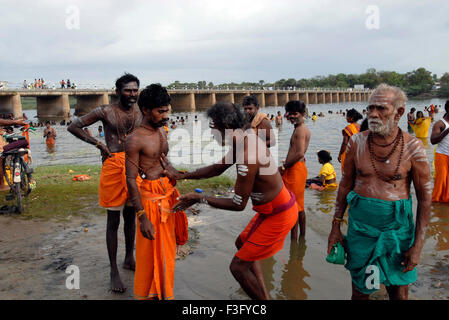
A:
{"points": [[129, 264], [116, 283]]}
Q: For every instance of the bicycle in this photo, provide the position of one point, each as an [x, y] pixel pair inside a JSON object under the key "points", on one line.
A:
{"points": [[16, 171]]}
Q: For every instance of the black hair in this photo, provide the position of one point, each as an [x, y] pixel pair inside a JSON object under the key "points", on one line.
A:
{"points": [[354, 115], [420, 112], [153, 96], [249, 100], [226, 115], [295, 106], [47, 122], [126, 78], [324, 156], [364, 125], [446, 106], [412, 110]]}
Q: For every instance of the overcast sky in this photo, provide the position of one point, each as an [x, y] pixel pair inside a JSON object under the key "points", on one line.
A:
{"points": [[219, 41]]}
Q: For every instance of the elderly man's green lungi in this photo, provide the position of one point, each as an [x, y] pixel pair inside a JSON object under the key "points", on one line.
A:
{"points": [[379, 233]]}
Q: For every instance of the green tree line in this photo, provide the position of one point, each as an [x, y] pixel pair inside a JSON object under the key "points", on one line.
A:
{"points": [[414, 83]]}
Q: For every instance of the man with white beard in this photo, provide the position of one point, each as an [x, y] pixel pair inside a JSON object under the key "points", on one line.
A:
{"points": [[382, 244]]}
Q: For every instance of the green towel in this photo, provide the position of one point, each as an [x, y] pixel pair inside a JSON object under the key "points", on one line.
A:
{"points": [[379, 233], [337, 254]]}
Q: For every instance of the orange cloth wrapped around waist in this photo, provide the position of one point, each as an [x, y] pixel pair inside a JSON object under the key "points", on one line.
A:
{"points": [[295, 180], [155, 259], [266, 232], [440, 191], [113, 191], [50, 141]]}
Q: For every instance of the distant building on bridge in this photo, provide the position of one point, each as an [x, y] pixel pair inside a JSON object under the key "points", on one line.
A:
{"points": [[3, 84]]}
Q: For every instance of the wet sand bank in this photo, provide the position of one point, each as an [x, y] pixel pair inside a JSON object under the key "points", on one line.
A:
{"points": [[35, 254]]}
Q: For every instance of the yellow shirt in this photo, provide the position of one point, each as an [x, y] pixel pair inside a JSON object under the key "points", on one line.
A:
{"points": [[314, 118], [421, 127], [328, 171]]}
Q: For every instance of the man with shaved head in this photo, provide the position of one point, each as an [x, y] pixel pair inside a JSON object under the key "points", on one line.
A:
{"points": [[383, 245]]}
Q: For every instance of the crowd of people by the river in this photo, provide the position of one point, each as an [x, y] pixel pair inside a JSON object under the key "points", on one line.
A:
{"points": [[41, 84]]}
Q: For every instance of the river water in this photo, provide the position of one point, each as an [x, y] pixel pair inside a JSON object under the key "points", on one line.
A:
{"points": [[299, 271]]}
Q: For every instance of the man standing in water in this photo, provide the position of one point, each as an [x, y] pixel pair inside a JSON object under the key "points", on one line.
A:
{"points": [[119, 119], [156, 242], [279, 119], [382, 243], [49, 135], [258, 178], [410, 120], [294, 170], [440, 137], [258, 121]]}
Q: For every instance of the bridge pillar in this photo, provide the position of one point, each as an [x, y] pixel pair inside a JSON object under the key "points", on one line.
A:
{"points": [[224, 97], [260, 98], [320, 97], [313, 97], [271, 99], [341, 97], [204, 100], [304, 97], [293, 96], [11, 104], [239, 96], [347, 97], [183, 102], [335, 97], [327, 97], [53, 107], [282, 98], [86, 103]]}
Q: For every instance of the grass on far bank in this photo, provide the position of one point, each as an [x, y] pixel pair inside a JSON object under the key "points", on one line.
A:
{"points": [[58, 196]]}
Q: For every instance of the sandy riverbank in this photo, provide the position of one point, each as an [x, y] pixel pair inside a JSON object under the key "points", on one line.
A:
{"points": [[35, 254]]}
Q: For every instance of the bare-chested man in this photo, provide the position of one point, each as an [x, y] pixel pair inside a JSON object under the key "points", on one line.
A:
{"points": [[119, 119], [411, 119], [440, 137], [153, 199], [258, 121], [49, 135], [279, 119], [382, 244], [294, 170], [258, 178]]}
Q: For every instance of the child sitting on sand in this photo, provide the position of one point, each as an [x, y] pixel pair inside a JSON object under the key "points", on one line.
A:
{"points": [[327, 178]]}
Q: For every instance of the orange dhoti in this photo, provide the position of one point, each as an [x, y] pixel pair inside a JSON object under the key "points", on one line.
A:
{"points": [[295, 180], [266, 232], [113, 191], [155, 259], [50, 142], [441, 184]]}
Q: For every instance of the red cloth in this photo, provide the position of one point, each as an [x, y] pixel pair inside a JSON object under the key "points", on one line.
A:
{"points": [[295, 180], [155, 259], [266, 232], [113, 190], [441, 184]]}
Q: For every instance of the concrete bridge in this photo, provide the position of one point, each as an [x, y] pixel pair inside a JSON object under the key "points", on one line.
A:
{"points": [[54, 104]]}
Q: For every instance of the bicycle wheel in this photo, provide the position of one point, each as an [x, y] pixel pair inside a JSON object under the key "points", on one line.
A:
{"points": [[18, 194], [25, 178]]}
